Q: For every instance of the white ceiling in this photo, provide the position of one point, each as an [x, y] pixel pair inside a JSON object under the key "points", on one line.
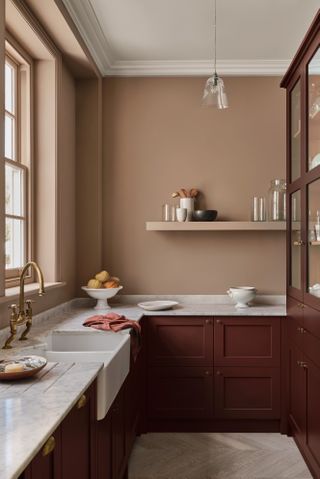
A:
{"points": [[151, 37]]}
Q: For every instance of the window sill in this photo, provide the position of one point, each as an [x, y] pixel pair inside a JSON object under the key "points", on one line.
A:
{"points": [[30, 289]]}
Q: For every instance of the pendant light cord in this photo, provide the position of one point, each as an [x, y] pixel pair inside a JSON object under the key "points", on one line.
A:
{"points": [[215, 37]]}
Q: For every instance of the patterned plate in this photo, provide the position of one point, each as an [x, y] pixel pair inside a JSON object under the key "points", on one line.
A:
{"points": [[31, 366]]}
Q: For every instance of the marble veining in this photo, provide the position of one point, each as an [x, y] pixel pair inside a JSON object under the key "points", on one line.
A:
{"points": [[32, 409]]}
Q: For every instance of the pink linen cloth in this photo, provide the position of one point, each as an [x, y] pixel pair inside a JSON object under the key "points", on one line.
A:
{"points": [[116, 322]]}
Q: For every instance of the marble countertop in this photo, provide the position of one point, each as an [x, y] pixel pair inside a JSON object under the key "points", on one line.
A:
{"points": [[32, 409]]}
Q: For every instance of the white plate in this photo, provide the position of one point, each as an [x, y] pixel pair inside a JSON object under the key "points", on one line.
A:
{"points": [[157, 305]]}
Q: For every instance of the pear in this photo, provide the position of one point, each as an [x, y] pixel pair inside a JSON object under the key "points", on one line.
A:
{"points": [[94, 284], [103, 276]]}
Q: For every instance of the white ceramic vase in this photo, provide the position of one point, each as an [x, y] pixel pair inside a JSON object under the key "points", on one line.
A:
{"points": [[188, 203]]}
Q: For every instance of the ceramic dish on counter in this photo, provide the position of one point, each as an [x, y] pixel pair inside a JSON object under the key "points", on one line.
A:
{"points": [[242, 295], [157, 305], [21, 368]]}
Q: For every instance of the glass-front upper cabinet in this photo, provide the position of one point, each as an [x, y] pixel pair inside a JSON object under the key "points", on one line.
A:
{"points": [[314, 111], [295, 131], [313, 277], [296, 241]]}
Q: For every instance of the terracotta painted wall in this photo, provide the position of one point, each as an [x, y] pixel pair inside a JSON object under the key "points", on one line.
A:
{"points": [[157, 138]]}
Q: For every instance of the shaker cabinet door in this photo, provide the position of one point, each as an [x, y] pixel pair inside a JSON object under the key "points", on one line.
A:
{"points": [[247, 341], [180, 393], [76, 439], [297, 392], [247, 393], [182, 341]]}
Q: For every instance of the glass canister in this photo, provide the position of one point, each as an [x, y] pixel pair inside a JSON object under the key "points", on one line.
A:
{"points": [[277, 200]]}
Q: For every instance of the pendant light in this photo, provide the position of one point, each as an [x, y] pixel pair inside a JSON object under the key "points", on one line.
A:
{"points": [[214, 93]]}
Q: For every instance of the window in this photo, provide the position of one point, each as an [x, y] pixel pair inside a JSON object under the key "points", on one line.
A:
{"points": [[18, 176]]}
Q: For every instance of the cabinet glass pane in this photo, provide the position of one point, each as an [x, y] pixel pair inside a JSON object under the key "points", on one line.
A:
{"points": [[314, 111], [295, 132], [314, 238], [296, 240]]}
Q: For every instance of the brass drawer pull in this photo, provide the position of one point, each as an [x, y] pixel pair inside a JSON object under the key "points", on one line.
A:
{"points": [[49, 446], [82, 401]]}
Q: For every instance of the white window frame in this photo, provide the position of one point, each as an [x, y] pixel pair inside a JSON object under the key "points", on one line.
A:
{"points": [[22, 158]]}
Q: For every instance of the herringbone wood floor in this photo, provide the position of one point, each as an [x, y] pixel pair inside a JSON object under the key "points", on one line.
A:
{"points": [[216, 456]]}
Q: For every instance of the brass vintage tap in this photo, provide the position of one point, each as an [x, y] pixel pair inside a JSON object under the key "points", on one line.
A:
{"points": [[22, 315]]}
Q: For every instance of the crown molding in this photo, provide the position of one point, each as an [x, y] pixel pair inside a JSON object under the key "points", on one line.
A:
{"points": [[198, 68], [85, 19]]}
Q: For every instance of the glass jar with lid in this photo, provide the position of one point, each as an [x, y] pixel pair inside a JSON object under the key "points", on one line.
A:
{"points": [[277, 200]]}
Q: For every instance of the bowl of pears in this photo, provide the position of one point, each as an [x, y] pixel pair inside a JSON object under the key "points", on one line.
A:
{"points": [[102, 287]]}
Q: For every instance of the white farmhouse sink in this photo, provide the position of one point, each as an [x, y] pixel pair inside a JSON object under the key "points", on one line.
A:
{"points": [[113, 349], [86, 341]]}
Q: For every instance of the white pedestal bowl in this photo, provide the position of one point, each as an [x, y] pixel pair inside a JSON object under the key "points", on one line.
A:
{"points": [[102, 295]]}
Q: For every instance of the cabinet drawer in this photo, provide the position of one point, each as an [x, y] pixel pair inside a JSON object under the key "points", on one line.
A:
{"points": [[182, 341], [247, 393], [247, 342], [180, 393]]}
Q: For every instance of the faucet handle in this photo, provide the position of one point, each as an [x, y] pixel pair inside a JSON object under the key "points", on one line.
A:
{"points": [[29, 304], [29, 301], [13, 308]]}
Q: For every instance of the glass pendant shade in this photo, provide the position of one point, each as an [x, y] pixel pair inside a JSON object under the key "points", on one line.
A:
{"points": [[214, 93]]}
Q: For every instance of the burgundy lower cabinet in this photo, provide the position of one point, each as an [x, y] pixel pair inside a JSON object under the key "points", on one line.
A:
{"points": [[247, 393], [117, 431], [303, 388], [180, 392], [69, 451], [47, 463], [77, 439], [297, 391], [213, 373], [85, 448]]}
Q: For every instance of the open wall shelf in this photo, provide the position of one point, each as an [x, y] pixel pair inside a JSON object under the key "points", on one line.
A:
{"points": [[216, 226]]}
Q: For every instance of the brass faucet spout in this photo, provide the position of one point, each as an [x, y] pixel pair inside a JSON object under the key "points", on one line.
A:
{"points": [[22, 277]]}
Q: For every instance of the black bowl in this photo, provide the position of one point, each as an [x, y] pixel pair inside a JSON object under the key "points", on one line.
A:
{"points": [[204, 215]]}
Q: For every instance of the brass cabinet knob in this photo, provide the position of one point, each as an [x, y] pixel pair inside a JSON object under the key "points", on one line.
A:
{"points": [[49, 446], [299, 243], [302, 364], [82, 401], [219, 321], [207, 373], [218, 373], [208, 321]]}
